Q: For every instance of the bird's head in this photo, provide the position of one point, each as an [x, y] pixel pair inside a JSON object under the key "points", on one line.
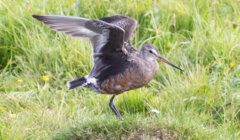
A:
{"points": [[151, 52]]}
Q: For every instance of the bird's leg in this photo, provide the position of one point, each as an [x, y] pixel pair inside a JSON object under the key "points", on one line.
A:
{"points": [[114, 109]]}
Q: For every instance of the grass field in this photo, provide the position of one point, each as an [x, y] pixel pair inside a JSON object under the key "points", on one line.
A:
{"points": [[202, 37]]}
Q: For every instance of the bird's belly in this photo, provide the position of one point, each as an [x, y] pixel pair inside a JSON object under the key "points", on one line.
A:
{"points": [[129, 79]]}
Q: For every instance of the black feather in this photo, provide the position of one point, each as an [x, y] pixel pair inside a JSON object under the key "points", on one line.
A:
{"points": [[80, 82]]}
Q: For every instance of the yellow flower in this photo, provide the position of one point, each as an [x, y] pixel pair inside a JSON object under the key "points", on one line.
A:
{"points": [[19, 80], [45, 78], [232, 65]]}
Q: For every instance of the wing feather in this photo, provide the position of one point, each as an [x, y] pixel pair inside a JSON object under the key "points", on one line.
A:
{"points": [[98, 31], [126, 23]]}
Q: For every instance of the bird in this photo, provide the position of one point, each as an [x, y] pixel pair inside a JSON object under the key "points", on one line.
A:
{"points": [[118, 65]]}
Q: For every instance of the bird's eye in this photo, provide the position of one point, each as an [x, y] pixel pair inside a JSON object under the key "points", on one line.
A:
{"points": [[150, 51]]}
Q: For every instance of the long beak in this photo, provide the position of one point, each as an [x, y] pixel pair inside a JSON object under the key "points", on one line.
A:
{"points": [[169, 63]]}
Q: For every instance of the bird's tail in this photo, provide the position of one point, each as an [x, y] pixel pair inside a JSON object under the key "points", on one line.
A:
{"points": [[79, 82]]}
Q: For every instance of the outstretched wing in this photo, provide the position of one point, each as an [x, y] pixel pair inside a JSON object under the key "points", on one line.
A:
{"points": [[105, 37], [126, 23], [107, 40]]}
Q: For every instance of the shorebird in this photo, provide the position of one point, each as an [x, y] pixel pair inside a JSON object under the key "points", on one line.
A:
{"points": [[118, 65]]}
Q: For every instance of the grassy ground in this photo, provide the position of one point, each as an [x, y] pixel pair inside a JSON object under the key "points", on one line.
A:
{"points": [[200, 36]]}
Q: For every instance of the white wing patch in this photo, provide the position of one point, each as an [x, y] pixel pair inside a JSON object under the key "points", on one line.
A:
{"points": [[87, 31]]}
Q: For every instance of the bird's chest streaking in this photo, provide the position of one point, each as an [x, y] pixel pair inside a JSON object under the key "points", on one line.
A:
{"points": [[134, 76]]}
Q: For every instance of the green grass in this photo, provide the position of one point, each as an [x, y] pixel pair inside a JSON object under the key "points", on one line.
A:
{"points": [[203, 37]]}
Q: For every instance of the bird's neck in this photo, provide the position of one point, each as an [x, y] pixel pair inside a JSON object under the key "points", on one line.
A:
{"points": [[142, 54], [150, 61]]}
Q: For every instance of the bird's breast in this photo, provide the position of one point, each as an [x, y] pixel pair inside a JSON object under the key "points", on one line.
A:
{"points": [[134, 76]]}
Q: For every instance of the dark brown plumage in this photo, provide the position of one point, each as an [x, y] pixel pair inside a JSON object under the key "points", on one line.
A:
{"points": [[118, 66]]}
